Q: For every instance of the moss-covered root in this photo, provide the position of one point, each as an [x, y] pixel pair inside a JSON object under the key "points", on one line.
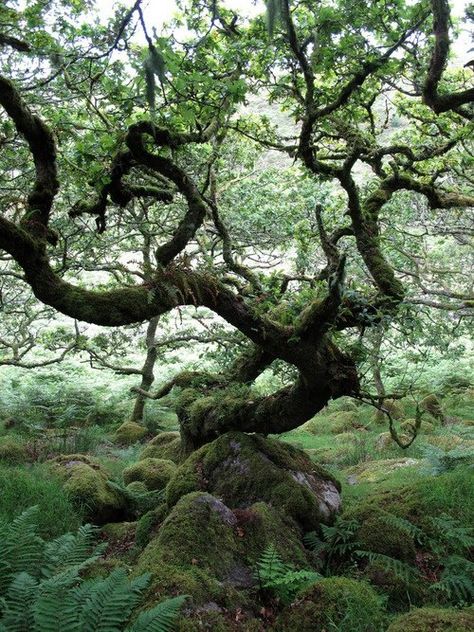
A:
{"points": [[154, 473], [434, 620], [245, 469], [334, 603]]}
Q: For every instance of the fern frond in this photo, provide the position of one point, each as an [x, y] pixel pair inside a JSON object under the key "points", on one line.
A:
{"points": [[161, 618], [111, 603], [415, 532], [398, 568], [17, 612]]}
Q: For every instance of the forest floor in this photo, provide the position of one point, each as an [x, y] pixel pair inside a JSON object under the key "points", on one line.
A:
{"points": [[398, 556]]}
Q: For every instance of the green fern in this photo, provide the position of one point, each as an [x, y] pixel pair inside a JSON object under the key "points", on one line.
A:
{"points": [[456, 584], [139, 502], [446, 460], [450, 535], [415, 532], [337, 544], [398, 568], [42, 590], [161, 618], [280, 578]]}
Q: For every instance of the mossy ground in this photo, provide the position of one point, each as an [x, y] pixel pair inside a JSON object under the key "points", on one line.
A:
{"points": [[227, 502]]}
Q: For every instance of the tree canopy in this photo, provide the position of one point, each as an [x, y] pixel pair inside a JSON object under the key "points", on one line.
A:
{"points": [[293, 173]]}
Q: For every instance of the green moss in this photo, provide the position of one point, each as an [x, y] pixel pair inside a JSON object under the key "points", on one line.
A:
{"points": [[166, 445], [394, 407], [137, 486], [218, 621], [336, 422], [451, 493], [155, 473], [190, 534], [408, 426], [244, 469], [382, 534], [434, 620], [334, 603], [12, 451], [432, 405], [148, 523], [86, 484], [129, 433], [401, 591], [195, 551], [261, 525]]}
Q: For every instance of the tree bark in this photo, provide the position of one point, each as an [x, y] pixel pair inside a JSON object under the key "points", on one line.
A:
{"points": [[148, 376]]}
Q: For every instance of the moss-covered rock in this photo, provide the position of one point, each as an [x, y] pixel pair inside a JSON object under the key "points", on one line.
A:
{"points": [[434, 620], [385, 441], [211, 617], [338, 603], [334, 422], [383, 533], [260, 525], [129, 433], [86, 483], [401, 589], [376, 471], [394, 407], [137, 487], [12, 451], [120, 537], [195, 551], [148, 524], [166, 445], [155, 473], [244, 469], [432, 405], [408, 426]]}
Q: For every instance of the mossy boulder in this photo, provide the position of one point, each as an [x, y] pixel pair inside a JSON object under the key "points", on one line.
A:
{"points": [[402, 589], [154, 473], [383, 533], [261, 525], [86, 483], [137, 487], [434, 620], [394, 407], [334, 422], [211, 617], [129, 433], [195, 551], [204, 541], [149, 523], [385, 441], [166, 445], [408, 426], [12, 451], [338, 603], [432, 405], [245, 469]]}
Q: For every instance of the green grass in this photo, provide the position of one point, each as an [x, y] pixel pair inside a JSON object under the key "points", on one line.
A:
{"points": [[22, 487]]}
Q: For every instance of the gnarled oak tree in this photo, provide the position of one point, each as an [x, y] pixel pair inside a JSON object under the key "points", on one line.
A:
{"points": [[96, 147]]}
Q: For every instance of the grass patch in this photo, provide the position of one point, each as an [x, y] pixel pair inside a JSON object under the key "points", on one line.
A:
{"points": [[23, 487]]}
